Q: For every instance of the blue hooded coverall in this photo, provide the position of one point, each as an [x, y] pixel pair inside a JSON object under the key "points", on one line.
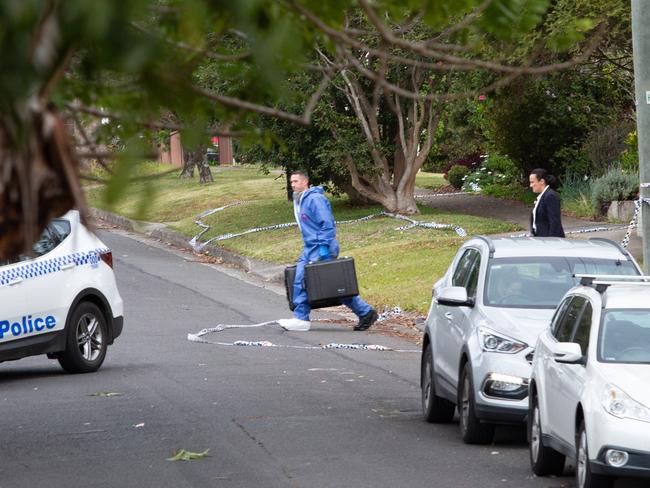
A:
{"points": [[314, 216]]}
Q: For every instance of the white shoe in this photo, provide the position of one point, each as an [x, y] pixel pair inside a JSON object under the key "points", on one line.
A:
{"points": [[295, 324]]}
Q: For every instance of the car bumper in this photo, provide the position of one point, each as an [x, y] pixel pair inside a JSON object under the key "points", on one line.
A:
{"points": [[638, 464], [116, 327], [605, 432], [497, 406]]}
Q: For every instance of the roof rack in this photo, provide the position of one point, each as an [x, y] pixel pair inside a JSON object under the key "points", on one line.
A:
{"points": [[489, 243], [603, 281]]}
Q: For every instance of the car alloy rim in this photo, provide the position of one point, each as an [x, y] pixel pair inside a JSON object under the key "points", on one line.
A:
{"points": [[581, 467], [465, 404], [535, 433], [89, 337], [427, 385]]}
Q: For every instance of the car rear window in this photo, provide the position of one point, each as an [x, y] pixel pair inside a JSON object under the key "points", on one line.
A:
{"points": [[56, 231], [541, 282]]}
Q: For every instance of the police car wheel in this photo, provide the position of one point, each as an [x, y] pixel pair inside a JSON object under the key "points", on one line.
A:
{"points": [[86, 336]]}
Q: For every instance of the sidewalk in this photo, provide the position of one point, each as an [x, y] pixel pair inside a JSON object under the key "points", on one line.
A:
{"points": [[519, 213]]}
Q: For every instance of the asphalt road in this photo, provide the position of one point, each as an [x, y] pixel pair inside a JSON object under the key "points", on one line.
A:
{"points": [[270, 417]]}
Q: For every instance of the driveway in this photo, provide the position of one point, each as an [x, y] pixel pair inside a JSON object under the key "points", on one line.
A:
{"points": [[519, 213]]}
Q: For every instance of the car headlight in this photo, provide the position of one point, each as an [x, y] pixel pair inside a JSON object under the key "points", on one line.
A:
{"points": [[492, 341], [619, 404]]}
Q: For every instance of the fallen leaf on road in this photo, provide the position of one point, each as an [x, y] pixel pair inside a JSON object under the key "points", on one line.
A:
{"points": [[184, 455], [105, 394]]}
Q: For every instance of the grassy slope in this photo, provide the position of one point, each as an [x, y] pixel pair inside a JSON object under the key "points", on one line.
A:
{"points": [[394, 267]]}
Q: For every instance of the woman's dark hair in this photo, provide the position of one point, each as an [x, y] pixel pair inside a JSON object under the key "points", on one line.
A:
{"points": [[542, 174]]}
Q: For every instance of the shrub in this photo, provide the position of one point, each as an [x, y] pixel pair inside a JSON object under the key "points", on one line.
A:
{"points": [[613, 185], [496, 172], [471, 162], [629, 159], [456, 175]]}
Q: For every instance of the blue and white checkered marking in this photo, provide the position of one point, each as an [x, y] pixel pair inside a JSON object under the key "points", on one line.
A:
{"points": [[53, 265]]}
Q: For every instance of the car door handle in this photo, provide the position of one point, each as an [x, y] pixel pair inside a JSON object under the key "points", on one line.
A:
{"points": [[15, 281], [449, 316], [67, 266]]}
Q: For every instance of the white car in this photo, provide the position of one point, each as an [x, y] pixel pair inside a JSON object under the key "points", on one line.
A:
{"points": [[61, 301], [589, 389], [486, 314]]}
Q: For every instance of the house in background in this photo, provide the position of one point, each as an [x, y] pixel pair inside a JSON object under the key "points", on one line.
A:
{"points": [[173, 153]]}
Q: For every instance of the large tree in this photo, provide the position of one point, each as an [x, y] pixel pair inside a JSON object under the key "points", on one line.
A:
{"points": [[126, 64]]}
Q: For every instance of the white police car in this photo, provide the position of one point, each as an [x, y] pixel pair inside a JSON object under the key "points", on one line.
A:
{"points": [[61, 301]]}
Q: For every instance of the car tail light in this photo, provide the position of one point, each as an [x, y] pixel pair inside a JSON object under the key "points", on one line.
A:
{"points": [[107, 257]]}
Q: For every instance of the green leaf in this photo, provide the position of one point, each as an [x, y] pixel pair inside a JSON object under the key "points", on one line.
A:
{"points": [[184, 455]]}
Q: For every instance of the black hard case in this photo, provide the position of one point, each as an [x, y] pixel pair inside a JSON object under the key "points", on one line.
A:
{"points": [[326, 282]]}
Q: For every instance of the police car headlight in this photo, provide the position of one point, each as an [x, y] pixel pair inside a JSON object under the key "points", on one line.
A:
{"points": [[492, 341], [619, 404]]}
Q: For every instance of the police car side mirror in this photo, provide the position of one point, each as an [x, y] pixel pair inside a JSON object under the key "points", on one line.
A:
{"points": [[454, 296]]}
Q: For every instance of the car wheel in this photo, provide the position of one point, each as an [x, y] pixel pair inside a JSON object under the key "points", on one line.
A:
{"points": [[86, 336], [543, 460], [584, 477], [434, 408], [472, 430]]}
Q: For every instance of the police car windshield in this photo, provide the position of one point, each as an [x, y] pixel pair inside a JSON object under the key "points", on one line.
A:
{"points": [[540, 282], [624, 336]]}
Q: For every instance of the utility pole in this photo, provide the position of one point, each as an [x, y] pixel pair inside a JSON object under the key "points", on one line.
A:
{"points": [[641, 52]]}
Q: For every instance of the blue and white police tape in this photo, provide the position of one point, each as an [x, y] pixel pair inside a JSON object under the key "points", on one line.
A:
{"points": [[198, 246], [200, 337]]}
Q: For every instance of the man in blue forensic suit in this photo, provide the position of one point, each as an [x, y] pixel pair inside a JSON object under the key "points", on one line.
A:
{"points": [[314, 216]]}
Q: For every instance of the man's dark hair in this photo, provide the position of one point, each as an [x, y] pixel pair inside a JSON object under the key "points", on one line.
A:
{"points": [[301, 172]]}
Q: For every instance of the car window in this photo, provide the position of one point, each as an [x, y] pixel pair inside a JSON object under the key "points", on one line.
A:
{"points": [[464, 268], [559, 314], [472, 279], [624, 336], [55, 233], [52, 236], [583, 330], [542, 281], [564, 331]]}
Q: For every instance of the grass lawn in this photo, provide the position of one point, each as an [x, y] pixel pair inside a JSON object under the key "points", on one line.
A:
{"points": [[430, 180], [394, 267]]}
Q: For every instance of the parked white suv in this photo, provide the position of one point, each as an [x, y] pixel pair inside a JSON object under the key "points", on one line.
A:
{"points": [[61, 301], [589, 394], [487, 311]]}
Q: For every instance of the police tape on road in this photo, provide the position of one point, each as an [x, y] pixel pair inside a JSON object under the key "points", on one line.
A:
{"points": [[200, 337], [199, 246]]}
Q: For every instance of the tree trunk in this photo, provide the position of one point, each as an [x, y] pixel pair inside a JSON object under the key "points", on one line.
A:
{"points": [[353, 194], [188, 164], [205, 175]]}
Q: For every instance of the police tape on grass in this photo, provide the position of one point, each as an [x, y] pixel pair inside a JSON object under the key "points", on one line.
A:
{"points": [[200, 337], [198, 246]]}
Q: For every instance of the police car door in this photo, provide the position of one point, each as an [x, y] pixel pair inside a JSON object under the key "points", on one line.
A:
{"points": [[50, 278], [12, 303]]}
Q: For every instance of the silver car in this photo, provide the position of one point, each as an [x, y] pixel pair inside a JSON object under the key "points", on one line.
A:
{"points": [[486, 314]]}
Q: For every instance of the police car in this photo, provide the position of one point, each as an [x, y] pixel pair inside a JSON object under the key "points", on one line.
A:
{"points": [[62, 300]]}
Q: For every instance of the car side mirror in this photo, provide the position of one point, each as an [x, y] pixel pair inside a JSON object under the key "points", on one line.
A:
{"points": [[454, 296], [568, 353]]}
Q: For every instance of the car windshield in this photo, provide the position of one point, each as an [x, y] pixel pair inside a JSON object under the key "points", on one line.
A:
{"points": [[624, 336], [541, 282]]}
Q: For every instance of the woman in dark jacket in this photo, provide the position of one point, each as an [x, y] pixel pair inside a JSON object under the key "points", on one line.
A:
{"points": [[546, 219]]}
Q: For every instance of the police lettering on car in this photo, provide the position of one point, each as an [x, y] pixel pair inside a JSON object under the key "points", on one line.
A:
{"points": [[27, 325]]}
